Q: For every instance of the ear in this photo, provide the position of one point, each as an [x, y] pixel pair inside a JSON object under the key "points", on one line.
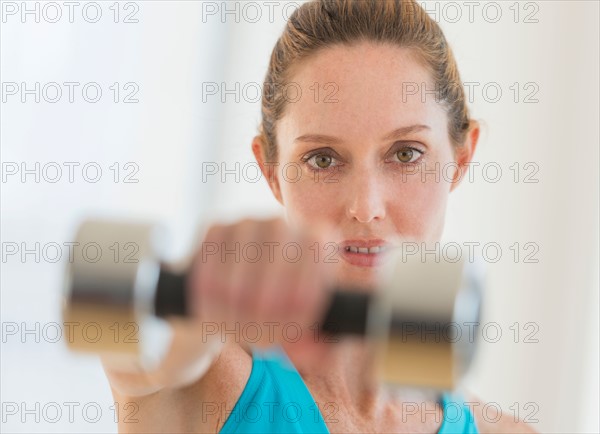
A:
{"points": [[268, 168], [464, 154]]}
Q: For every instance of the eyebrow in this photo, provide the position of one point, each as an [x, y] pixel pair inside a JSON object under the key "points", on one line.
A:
{"points": [[329, 140]]}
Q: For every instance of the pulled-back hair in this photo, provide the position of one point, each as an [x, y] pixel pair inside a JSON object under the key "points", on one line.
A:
{"points": [[319, 24]]}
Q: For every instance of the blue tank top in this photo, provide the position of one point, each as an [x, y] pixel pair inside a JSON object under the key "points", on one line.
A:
{"points": [[276, 400]]}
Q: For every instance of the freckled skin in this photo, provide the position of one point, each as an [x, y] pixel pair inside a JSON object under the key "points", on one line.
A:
{"points": [[375, 194]]}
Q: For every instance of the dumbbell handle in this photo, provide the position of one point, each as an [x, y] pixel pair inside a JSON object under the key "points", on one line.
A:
{"points": [[347, 312]]}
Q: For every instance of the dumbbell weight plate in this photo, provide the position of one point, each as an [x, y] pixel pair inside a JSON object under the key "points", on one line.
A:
{"points": [[110, 285], [421, 320]]}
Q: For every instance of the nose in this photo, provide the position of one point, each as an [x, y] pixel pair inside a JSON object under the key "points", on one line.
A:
{"points": [[366, 199]]}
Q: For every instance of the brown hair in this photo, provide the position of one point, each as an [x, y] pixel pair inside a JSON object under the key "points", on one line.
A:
{"points": [[320, 24]]}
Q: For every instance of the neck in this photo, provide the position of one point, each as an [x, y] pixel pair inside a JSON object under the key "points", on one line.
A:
{"points": [[349, 377]]}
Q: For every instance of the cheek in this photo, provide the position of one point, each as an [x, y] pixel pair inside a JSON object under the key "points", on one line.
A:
{"points": [[424, 197], [307, 202], [420, 212]]}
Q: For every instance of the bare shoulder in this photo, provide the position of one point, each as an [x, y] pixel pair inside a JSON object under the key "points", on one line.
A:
{"points": [[202, 406], [225, 379], [492, 422]]}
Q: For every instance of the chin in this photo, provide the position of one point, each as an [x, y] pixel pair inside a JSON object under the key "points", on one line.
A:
{"points": [[365, 279]]}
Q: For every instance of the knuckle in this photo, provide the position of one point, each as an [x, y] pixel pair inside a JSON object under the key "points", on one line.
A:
{"points": [[214, 231]]}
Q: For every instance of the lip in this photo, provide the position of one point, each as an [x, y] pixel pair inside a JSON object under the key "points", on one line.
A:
{"points": [[363, 259], [375, 242]]}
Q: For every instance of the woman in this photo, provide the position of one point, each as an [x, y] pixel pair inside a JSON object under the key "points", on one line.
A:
{"points": [[348, 102]]}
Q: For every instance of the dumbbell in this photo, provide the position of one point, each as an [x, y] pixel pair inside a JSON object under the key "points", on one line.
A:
{"points": [[422, 319]]}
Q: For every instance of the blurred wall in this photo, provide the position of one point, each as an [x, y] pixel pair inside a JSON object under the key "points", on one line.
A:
{"points": [[148, 147], [193, 68]]}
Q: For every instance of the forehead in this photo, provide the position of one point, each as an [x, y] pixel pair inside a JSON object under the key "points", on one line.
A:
{"points": [[368, 87]]}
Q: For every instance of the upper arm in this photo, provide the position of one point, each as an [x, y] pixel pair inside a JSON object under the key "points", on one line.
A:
{"points": [[190, 408]]}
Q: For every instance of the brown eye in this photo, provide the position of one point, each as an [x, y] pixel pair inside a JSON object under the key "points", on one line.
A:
{"points": [[323, 161], [405, 155]]}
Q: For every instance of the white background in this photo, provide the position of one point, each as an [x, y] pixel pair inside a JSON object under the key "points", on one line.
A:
{"points": [[169, 53]]}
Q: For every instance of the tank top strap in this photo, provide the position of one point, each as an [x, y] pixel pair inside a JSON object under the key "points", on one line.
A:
{"points": [[275, 399], [458, 418]]}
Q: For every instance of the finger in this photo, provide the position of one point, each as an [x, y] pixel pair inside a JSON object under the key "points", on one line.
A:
{"points": [[204, 274], [241, 274], [283, 275]]}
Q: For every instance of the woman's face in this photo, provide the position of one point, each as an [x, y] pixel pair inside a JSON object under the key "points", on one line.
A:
{"points": [[368, 155]]}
